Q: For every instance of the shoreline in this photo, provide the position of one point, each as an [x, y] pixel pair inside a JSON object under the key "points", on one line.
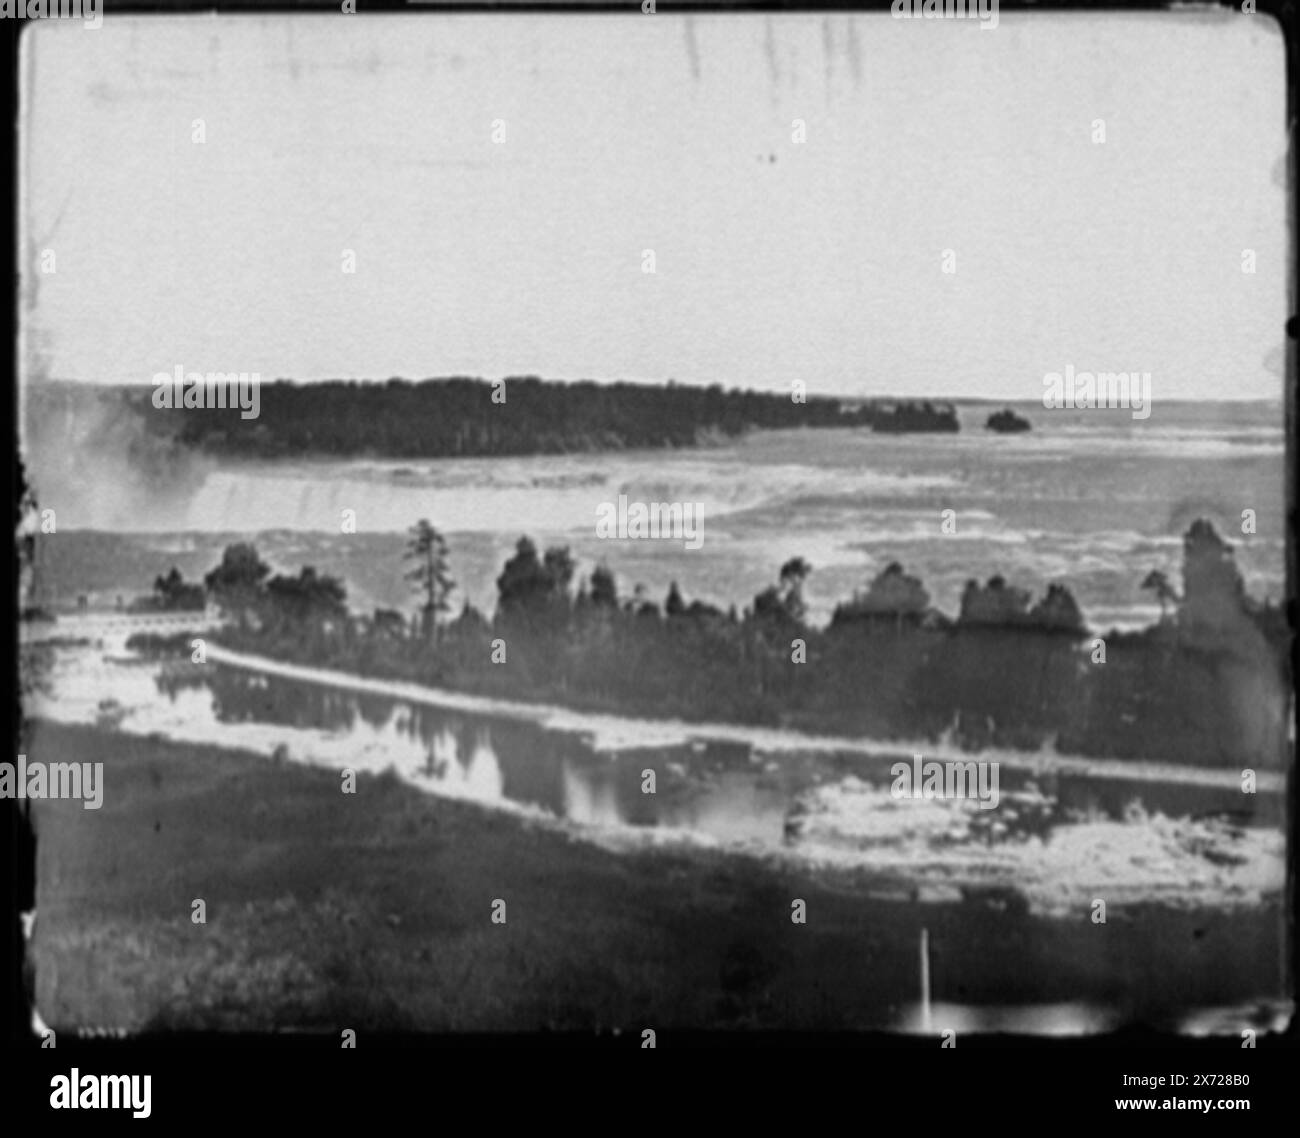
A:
{"points": [[620, 732], [373, 911]]}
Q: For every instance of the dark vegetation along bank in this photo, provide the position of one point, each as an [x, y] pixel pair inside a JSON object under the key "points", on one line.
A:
{"points": [[371, 911], [458, 417], [1207, 685]]}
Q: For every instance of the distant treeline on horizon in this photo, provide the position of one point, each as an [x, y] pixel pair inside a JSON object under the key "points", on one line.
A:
{"points": [[463, 417]]}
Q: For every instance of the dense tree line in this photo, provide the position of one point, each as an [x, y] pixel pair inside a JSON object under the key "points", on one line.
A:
{"points": [[172, 593], [915, 415], [1206, 685], [466, 417]]}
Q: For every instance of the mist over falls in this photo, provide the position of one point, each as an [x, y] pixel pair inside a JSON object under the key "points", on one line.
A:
{"points": [[119, 461], [92, 457]]}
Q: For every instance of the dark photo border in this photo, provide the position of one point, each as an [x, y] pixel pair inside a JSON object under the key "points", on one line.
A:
{"points": [[997, 1079]]}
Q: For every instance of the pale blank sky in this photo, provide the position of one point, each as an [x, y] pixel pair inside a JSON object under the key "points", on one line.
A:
{"points": [[774, 260]]}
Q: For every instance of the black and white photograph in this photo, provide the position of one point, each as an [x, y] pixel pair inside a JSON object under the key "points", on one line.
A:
{"points": [[655, 522]]}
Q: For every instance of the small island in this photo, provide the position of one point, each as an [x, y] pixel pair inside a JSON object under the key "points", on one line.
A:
{"points": [[1006, 422]]}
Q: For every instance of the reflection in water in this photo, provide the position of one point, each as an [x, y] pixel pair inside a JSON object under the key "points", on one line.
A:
{"points": [[588, 798], [723, 791], [737, 807], [1052, 834], [483, 776]]}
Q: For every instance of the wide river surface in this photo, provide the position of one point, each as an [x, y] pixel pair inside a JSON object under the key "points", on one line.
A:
{"points": [[1095, 500]]}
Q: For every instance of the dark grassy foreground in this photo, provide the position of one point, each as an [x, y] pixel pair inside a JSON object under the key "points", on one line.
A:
{"points": [[372, 910]]}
